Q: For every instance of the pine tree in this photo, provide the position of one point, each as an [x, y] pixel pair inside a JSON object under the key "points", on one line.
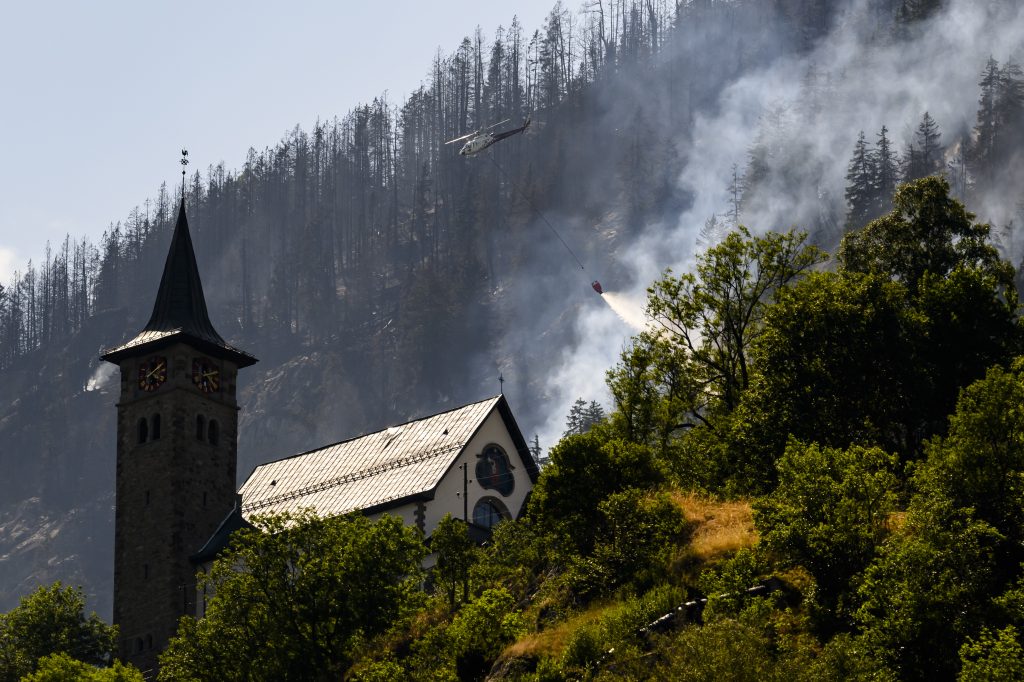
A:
{"points": [[574, 421], [986, 126], [924, 154], [536, 451], [886, 173], [735, 195], [1009, 111], [1000, 119], [594, 414], [583, 416], [860, 185], [712, 232]]}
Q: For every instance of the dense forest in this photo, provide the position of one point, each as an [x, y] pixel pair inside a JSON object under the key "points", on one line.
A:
{"points": [[808, 474], [367, 249]]}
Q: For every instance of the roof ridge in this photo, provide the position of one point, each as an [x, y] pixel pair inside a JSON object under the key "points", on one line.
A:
{"points": [[371, 433]]}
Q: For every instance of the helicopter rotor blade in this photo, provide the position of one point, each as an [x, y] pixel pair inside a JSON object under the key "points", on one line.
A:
{"points": [[498, 124], [459, 139]]}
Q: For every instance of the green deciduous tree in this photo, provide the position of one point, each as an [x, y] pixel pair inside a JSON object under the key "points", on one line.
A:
{"points": [[829, 513], [992, 656], [481, 630], [692, 370], [63, 668], [456, 554], [640, 531], [296, 597], [995, 655], [52, 620], [877, 352], [657, 391], [833, 366], [979, 465], [928, 589], [714, 314], [584, 471], [928, 231]]}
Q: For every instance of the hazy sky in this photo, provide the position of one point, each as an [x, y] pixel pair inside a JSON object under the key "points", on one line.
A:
{"points": [[99, 97]]}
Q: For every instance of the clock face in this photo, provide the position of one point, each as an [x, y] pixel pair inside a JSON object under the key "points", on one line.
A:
{"points": [[205, 375], [152, 373]]}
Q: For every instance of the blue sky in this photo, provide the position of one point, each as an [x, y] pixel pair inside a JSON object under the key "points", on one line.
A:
{"points": [[99, 97]]}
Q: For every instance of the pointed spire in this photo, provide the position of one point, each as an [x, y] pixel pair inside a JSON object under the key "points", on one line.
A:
{"points": [[180, 309], [180, 304]]}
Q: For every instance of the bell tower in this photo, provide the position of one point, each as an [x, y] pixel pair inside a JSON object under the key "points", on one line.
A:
{"points": [[177, 425]]}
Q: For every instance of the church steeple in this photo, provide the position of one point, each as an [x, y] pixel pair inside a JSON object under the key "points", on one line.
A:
{"points": [[180, 303], [179, 313], [177, 455]]}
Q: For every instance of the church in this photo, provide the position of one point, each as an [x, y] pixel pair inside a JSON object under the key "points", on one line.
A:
{"points": [[177, 444]]}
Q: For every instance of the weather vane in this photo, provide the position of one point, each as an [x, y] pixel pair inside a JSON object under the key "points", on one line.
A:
{"points": [[184, 162]]}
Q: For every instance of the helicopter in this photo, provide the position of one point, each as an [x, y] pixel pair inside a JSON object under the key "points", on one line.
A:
{"points": [[480, 140]]}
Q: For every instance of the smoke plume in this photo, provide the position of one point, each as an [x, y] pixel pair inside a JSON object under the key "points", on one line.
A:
{"points": [[804, 111]]}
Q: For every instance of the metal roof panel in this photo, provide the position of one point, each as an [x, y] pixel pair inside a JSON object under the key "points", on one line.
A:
{"points": [[367, 471]]}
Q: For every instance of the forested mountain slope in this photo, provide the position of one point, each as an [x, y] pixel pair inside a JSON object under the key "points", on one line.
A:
{"points": [[379, 276]]}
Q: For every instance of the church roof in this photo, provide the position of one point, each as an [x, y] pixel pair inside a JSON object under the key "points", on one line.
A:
{"points": [[222, 536], [378, 470], [179, 313]]}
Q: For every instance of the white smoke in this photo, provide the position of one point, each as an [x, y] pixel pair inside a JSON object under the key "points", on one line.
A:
{"points": [[102, 377], [630, 310], [811, 109], [7, 261]]}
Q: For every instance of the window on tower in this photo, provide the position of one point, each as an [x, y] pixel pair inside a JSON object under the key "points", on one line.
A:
{"points": [[143, 430], [213, 434], [155, 426], [200, 427]]}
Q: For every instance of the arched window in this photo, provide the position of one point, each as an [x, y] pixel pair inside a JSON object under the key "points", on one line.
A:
{"points": [[489, 512], [143, 430], [200, 427], [138, 644], [149, 642], [214, 432], [494, 471], [155, 426]]}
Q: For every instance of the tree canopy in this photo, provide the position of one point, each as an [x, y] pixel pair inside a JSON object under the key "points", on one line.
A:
{"points": [[52, 621], [297, 597]]}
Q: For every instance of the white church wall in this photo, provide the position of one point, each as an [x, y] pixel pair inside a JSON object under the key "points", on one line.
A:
{"points": [[448, 497]]}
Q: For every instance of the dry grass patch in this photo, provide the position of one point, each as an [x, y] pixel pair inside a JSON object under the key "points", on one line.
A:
{"points": [[551, 642], [722, 528]]}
